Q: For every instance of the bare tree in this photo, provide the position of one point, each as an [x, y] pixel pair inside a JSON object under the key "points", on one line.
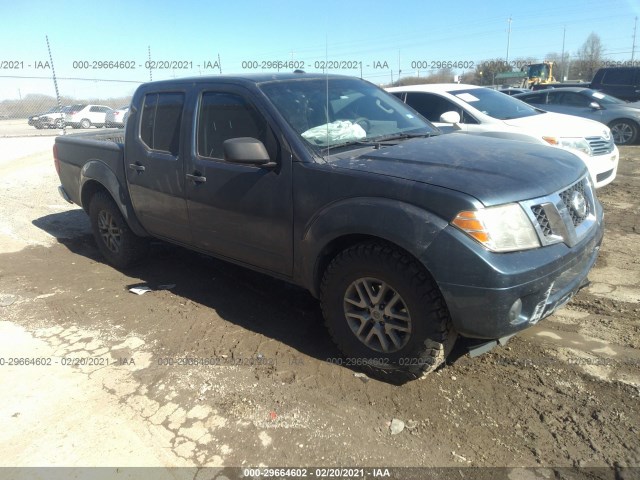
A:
{"points": [[588, 58], [486, 71], [444, 75]]}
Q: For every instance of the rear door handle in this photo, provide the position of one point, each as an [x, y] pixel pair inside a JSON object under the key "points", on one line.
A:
{"points": [[196, 178], [137, 167]]}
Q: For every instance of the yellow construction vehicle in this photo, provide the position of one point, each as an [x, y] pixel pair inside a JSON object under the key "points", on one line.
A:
{"points": [[538, 74], [529, 75]]}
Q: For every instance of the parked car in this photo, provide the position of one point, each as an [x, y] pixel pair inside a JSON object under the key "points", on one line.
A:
{"points": [[619, 82], [622, 118], [332, 184], [513, 90], [481, 111], [87, 116], [118, 117], [36, 120], [547, 86], [54, 119]]}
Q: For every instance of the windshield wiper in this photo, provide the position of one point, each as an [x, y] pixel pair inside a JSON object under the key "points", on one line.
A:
{"points": [[360, 143], [402, 136], [378, 142]]}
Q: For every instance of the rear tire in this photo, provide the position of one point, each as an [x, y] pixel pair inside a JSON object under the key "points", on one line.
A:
{"points": [[85, 123], [385, 313], [117, 243]]}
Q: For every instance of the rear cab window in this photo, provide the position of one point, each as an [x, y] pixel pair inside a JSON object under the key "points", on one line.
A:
{"points": [[161, 120]]}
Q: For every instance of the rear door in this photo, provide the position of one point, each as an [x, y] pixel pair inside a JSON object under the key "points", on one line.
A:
{"points": [[241, 212], [154, 166], [97, 114]]}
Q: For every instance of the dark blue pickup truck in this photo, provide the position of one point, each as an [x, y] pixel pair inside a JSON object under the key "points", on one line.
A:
{"points": [[408, 237]]}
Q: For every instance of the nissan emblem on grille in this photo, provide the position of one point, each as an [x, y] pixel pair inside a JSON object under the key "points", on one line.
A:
{"points": [[578, 203]]}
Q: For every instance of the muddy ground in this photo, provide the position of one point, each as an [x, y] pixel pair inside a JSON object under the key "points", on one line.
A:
{"points": [[564, 393]]}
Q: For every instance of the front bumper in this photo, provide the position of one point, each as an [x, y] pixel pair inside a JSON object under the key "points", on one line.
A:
{"points": [[503, 293], [602, 168]]}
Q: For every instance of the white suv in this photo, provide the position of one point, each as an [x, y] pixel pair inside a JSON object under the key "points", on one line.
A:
{"points": [[83, 116], [482, 111]]}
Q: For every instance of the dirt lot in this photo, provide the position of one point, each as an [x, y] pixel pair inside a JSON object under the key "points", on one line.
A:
{"points": [[564, 393]]}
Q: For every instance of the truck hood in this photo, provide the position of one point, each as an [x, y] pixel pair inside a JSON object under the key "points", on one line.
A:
{"points": [[493, 171], [551, 124]]}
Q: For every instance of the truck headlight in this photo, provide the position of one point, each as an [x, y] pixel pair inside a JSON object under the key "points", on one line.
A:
{"points": [[577, 143], [504, 228]]}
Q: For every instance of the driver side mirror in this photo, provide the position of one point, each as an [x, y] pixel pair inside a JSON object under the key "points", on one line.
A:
{"points": [[450, 117], [247, 151], [595, 105]]}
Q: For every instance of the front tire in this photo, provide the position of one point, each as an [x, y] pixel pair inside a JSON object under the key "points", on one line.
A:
{"points": [[385, 313], [117, 243], [624, 132]]}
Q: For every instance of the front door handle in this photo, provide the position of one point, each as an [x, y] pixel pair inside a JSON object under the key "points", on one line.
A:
{"points": [[196, 178], [137, 167]]}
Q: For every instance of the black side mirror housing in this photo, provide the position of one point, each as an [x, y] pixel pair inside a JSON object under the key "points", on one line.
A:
{"points": [[246, 150]]}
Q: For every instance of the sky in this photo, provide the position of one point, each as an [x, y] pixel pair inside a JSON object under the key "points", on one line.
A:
{"points": [[375, 39]]}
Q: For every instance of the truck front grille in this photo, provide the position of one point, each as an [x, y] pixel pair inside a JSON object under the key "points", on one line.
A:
{"points": [[543, 221], [568, 196], [565, 216]]}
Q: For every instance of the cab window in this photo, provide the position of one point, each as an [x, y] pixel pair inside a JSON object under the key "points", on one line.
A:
{"points": [[161, 120]]}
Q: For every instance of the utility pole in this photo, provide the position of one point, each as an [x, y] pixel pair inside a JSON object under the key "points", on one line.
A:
{"points": [[633, 47], [564, 33], [399, 69], [508, 40], [149, 55]]}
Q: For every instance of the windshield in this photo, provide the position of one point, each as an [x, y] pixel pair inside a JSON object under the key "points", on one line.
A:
{"points": [[495, 104], [539, 70], [343, 111], [603, 98]]}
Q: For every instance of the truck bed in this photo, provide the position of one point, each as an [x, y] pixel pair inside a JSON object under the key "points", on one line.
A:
{"points": [[75, 151]]}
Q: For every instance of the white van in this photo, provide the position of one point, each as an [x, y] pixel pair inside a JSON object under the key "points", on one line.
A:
{"points": [[482, 111]]}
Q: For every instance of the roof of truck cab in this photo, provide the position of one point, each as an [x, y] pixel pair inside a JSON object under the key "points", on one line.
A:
{"points": [[246, 78]]}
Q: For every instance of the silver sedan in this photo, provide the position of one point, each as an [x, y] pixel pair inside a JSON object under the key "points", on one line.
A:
{"points": [[622, 118]]}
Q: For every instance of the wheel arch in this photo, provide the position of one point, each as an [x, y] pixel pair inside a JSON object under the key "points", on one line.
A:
{"points": [[95, 176], [404, 226], [625, 119], [631, 121]]}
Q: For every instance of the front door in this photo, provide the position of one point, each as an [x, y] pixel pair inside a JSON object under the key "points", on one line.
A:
{"points": [[241, 212]]}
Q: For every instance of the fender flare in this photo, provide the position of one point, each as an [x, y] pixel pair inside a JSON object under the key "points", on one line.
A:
{"points": [[409, 227], [97, 171]]}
